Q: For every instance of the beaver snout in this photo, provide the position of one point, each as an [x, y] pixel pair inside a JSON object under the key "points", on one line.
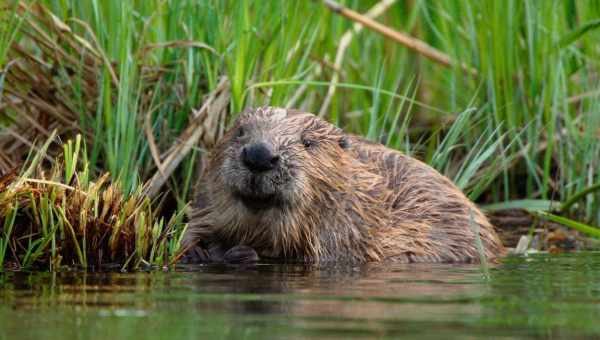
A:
{"points": [[259, 157]]}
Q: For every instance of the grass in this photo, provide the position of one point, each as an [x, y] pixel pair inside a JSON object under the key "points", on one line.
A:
{"points": [[128, 76], [63, 216]]}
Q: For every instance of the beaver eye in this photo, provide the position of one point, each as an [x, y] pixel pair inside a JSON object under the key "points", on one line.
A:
{"points": [[344, 143], [307, 143], [240, 132]]}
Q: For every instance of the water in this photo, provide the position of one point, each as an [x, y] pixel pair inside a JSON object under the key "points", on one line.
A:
{"points": [[538, 296]]}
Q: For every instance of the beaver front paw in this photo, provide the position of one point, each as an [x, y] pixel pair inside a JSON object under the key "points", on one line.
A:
{"points": [[240, 254], [195, 255], [216, 254]]}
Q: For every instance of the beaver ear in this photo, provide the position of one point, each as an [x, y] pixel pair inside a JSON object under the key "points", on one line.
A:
{"points": [[249, 111], [344, 143]]}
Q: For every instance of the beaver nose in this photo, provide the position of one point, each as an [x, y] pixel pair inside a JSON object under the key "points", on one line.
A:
{"points": [[259, 157]]}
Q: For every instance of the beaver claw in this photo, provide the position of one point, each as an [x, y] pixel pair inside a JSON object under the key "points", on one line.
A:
{"points": [[240, 254], [195, 255], [216, 254]]}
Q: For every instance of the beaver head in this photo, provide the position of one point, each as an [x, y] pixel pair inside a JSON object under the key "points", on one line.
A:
{"points": [[285, 183], [271, 158]]}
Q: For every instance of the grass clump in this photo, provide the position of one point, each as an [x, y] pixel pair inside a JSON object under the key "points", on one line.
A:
{"points": [[60, 217]]}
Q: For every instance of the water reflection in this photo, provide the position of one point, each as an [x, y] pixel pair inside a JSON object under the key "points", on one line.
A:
{"points": [[539, 296]]}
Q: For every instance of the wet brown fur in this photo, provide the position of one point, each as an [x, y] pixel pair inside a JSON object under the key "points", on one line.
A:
{"points": [[352, 201]]}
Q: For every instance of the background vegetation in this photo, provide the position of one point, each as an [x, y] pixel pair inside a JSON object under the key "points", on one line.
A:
{"points": [[144, 82]]}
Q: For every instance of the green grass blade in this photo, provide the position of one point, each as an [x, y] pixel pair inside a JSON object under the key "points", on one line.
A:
{"points": [[584, 228], [526, 204], [574, 35]]}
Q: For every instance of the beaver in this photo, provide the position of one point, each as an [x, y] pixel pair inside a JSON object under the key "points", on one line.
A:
{"points": [[285, 184]]}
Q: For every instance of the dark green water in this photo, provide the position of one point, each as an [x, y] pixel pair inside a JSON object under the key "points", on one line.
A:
{"points": [[539, 296]]}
